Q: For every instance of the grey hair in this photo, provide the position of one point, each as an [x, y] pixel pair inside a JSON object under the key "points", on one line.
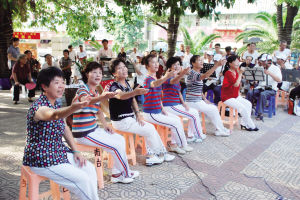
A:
{"points": [[21, 56]]}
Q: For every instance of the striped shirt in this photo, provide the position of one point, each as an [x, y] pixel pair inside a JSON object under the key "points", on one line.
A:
{"points": [[194, 91], [171, 93], [84, 120], [152, 102]]}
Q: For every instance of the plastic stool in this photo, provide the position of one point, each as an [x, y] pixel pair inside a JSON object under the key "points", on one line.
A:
{"points": [[140, 141], [32, 180], [130, 147], [98, 161], [271, 109], [164, 133], [282, 98], [186, 125], [233, 115], [210, 95]]}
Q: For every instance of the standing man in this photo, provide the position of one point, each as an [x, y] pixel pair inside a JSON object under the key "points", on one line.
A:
{"points": [[251, 52], [105, 52], [218, 49], [72, 53], [133, 55], [282, 50], [65, 65], [49, 62], [187, 57], [13, 52], [35, 66], [81, 55]]}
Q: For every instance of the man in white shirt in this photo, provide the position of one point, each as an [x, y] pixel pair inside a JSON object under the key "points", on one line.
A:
{"points": [[133, 55], [105, 52], [282, 50], [273, 76], [49, 62], [251, 52], [283, 64], [81, 55], [72, 53], [210, 57], [187, 57]]}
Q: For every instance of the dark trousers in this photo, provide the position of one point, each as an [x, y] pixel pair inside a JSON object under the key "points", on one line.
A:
{"points": [[253, 95], [215, 89], [295, 93], [17, 89], [67, 76]]}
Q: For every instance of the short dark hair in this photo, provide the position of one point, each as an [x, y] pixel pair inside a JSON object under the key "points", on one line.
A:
{"points": [[114, 64], [194, 58], [15, 39], [253, 43], [248, 45], [218, 44], [147, 58], [104, 40], [80, 45], [66, 50], [70, 46], [153, 51], [230, 59], [47, 75], [90, 67], [27, 51], [250, 57], [227, 49], [172, 61], [283, 41]]}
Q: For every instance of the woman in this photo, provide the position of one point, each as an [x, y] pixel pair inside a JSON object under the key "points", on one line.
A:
{"points": [[21, 74], [173, 101], [230, 94], [195, 97], [155, 113], [86, 130], [125, 114], [45, 152]]}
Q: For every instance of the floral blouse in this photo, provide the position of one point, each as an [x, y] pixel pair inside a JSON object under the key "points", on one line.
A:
{"points": [[44, 145]]}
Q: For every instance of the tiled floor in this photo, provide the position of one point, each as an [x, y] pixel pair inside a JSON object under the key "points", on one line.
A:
{"points": [[221, 164]]}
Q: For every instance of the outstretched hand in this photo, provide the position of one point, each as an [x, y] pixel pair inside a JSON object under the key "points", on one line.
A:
{"points": [[185, 71], [108, 95], [80, 104], [170, 73], [140, 91]]}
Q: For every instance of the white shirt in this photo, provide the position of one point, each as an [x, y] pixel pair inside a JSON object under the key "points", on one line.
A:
{"points": [[187, 60], [254, 56], [140, 78], [81, 54], [286, 52], [72, 55], [276, 72], [133, 56], [45, 65], [105, 53]]}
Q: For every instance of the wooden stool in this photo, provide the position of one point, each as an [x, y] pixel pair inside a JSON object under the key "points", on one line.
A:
{"points": [[108, 157], [98, 161], [130, 147], [140, 141], [282, 98], [32, 180], [231, 120]]}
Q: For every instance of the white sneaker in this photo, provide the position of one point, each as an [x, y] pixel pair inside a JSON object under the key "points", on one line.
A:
{"points": [[177, 150], [190, 140], [187, 148], [198, 140], [121, 179], [134, 174], [168, 157], [153, 160], [221, 133], [227, 130], [203, 136]]}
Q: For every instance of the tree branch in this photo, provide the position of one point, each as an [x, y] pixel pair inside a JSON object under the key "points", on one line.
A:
{"points": [[158, 24]]}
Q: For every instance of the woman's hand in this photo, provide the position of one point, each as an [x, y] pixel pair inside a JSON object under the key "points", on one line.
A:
{"points": [[108, 128], [164, 112], [108, 95], [187, 108], [17, 83], [79, 159], [140, 119], [80, 104]]}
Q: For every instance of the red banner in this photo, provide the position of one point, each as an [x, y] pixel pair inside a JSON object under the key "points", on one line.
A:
{"points": [[227, 35], [27, 35]]}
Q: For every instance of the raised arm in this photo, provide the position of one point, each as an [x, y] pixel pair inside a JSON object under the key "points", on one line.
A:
{"points": [[159, 82], [177, 78]]}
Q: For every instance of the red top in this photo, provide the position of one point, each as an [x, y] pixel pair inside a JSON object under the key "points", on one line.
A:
{"points": [[22, 72], [228, 90]]}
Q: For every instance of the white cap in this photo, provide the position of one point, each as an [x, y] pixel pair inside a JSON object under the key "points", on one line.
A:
{"points": [[210, 53], [217, 57], [266, 57], [281, 56], [139, 55], [179, 54]]}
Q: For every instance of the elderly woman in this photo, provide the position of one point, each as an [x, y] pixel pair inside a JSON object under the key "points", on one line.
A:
{"points": [[21, 74], [45, 153]]}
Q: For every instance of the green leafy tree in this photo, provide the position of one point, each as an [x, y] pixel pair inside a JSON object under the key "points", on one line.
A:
{"points": [[199, 42], [79, 16], [176, 9]]}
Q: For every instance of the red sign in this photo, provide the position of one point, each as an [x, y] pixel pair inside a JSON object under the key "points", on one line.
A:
{"points": [[227, 35], [27, 35]]}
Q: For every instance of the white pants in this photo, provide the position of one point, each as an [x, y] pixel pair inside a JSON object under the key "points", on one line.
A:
{"points": [[211, 111], [114, 144], [244, 107], [171, 121], [81, 181], [153, 141], [194, 128]]}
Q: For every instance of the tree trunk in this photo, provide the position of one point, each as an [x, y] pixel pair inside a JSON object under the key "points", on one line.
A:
{"points": [[173, 25], [288, 27], [6, 32], [281, 33]]}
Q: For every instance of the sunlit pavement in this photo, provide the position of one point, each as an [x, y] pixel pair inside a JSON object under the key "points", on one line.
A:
{"points": [[224, 165]]}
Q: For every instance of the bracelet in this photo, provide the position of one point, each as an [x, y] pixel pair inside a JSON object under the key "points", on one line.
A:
{"points": [[75, 151]]}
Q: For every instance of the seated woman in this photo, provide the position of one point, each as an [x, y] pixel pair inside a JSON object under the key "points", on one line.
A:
{"points": [[195, 98], [21, 74], [86, 130], [155, 113], [173, 101], [125, 115], [45, 153], [230, 94]]}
